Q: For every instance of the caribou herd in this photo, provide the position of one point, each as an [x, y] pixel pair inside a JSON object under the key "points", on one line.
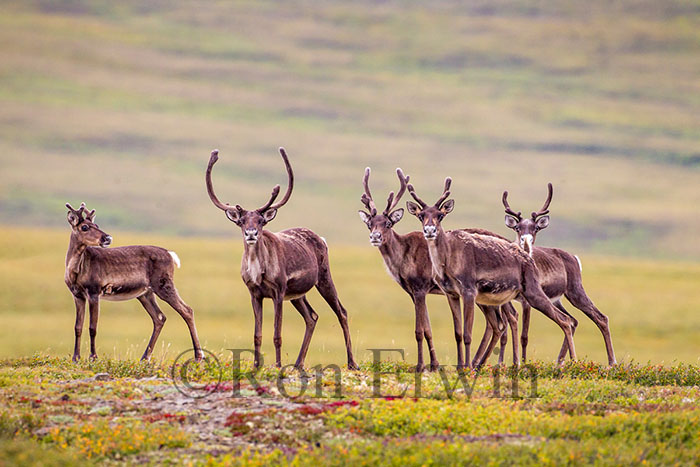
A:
{"points": [[468, 266]]}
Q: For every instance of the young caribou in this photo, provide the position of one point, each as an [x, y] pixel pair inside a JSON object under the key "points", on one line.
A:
{"points": [[407, 260], [480, 269], [560, 274], [143, 272], [282, 266]]}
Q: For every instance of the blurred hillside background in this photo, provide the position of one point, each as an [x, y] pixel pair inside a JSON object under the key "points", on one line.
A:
{"points": [[119, 104]]}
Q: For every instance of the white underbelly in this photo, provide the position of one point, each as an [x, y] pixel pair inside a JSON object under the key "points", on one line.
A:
{"points": [[294, 296], [555, 299], [495, 299], [120, 297]]}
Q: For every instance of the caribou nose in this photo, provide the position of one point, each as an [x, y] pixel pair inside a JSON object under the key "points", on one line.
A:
{"points": [[251, 235], [375, 238], [106, 240], [429, 231]]}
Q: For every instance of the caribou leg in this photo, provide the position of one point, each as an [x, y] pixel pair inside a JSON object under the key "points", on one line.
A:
{"points": [[427, 333], [149, 303], [94, 303], [564, 348], [459, 330], [79, 320], [511, 314], [580, 300], [485, 339], [524, 334], [168, 293], [310, 317], [327, 290]]}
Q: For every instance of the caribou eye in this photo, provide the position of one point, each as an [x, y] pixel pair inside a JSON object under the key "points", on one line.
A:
{"points": [[420, 216], [84, 228], [388, 224], [440, 216]]}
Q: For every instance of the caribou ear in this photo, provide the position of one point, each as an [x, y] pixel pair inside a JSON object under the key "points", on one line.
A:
{"points": [[396, 216], [234, 216], [269, 214], [543, 222], [511, 221], [364, 216], [413, 208], [448, 206], [73, 218]]}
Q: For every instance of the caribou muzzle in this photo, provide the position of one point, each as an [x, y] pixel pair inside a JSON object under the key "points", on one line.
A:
{"points": [[106, 241], [251, 236], [375, 238]]}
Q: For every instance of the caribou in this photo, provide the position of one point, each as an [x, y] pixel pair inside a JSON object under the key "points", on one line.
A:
{"points": [[94, 271], [282, 266], [560, 275], [407, 260], [480, 269]]}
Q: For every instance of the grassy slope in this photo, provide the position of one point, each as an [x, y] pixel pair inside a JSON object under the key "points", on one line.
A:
{"points": [[120, 104], [650, 305]]}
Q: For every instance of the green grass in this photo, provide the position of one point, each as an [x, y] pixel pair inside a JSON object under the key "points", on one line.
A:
{"points": [[650, 305], [121, 104], [580, 414]]}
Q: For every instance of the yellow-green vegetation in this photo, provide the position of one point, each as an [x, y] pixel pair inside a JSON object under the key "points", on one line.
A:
{"points": [[650, 305], [55, 412], [118, 104]]}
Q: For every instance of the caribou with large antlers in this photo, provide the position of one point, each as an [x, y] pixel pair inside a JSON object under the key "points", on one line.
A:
{"points": [[282, 266], [143, 272], [560, 274], [480, 269], [407, 260]]}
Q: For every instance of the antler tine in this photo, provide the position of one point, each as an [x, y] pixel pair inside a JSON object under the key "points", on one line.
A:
{"points": [[412, 191], [82, 209], [445, 192], [273, 197], [403, 181], [389, 203], [545, 209], [210, 187], [290, 179], [367, 196], [508, 209]]}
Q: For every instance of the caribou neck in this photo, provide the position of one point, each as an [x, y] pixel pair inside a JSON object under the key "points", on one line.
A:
{"points": [[393, 250], [74, 257], [439, 250], [255, 258]]}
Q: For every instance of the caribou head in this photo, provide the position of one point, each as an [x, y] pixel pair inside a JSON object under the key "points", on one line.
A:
{"points": [[431, 216], [84, 228], [526, 228], [251, 222], [378, 224]]}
